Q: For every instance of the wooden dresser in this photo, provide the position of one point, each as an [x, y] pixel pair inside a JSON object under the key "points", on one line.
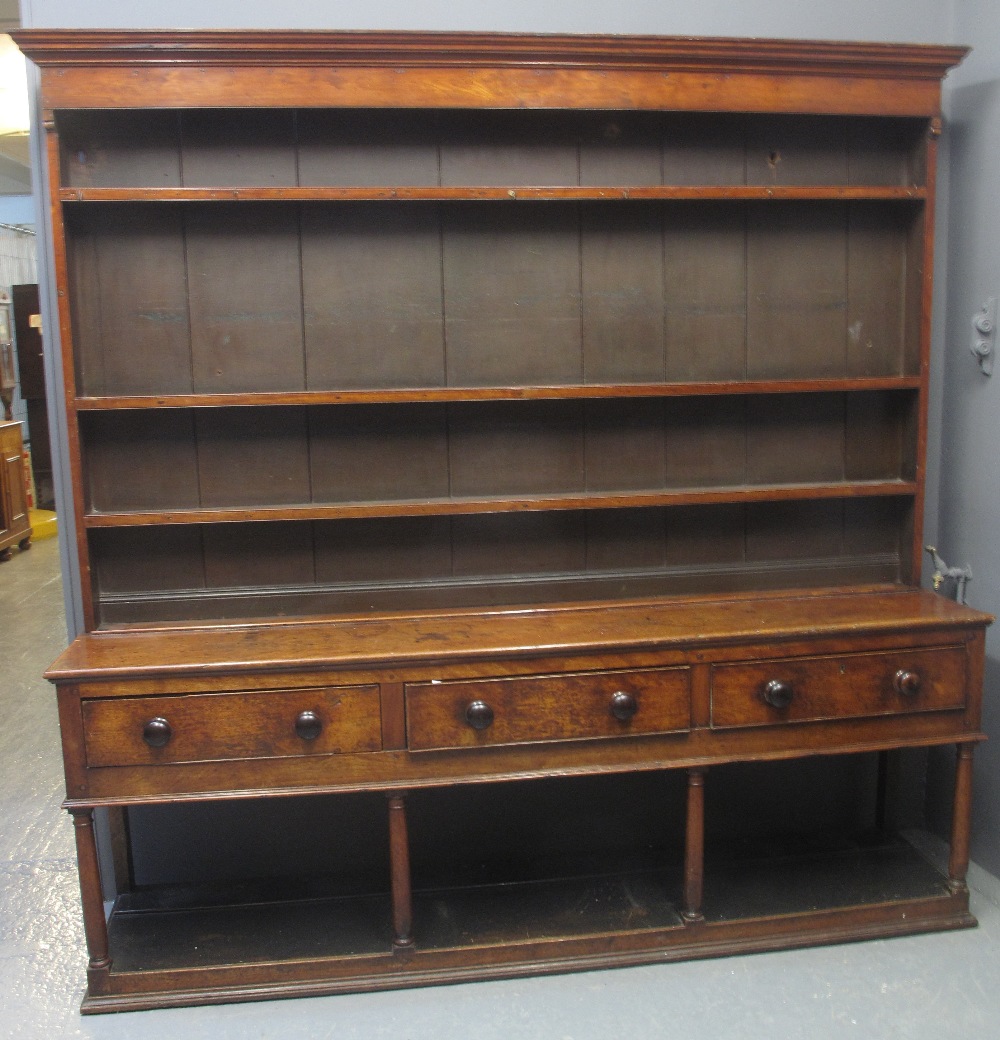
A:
{"points": [[512, 417], [15, 521]]}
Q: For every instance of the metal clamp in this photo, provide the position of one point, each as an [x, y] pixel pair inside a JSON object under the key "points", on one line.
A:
{"points": [[984, 328]]}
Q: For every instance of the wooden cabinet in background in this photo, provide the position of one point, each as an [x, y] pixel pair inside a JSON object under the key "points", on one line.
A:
{"points": [[494, 421], [15, 523], [31, 380]]}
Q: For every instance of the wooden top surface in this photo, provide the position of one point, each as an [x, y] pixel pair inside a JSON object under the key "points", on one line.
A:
{"points": [[195, 68], [392, 640]]}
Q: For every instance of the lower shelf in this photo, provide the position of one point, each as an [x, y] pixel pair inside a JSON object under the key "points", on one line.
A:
{"points": [[179, 947]]}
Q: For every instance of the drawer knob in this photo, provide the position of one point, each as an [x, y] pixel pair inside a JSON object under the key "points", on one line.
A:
{"points": [[308, 725], [778, 693], [623, 706], [479, 715], [157, 732], [906, 682]]}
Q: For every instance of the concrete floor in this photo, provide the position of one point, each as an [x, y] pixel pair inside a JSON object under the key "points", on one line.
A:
{"points": [[938, 986]]}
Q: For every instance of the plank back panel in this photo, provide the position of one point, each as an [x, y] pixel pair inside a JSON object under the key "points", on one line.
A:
{"points": [[144, 560], [705, 291], [626, 540], [141, 461], [783, 531], [395, 552], [706, 442], [622, 281], [796, 150], [236, 148], [877, 292], [796, 291], [699, 538], [130, 308], [704, 151], [367, 147], [246, 318], [795, 438], [526, 147], [518, 545], [246, 556], [373, 306], [254, 456], [373, 453], [138, 149], [499, 448], [625, 445], [878, 436], [512, 295], [887, 151], [620, 148]]}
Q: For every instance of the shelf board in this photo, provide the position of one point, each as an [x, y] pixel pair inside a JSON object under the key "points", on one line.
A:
{"points": [[509, 504], [736, 192], [114, 402]]}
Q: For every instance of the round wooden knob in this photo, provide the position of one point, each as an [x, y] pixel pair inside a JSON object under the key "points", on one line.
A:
{"points": [[778, 693], [906, 682], [479, 715], [157, 732], [623, 706], [308, 725]]}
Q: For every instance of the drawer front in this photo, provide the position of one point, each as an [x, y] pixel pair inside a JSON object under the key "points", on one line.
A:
{"points": [[202, 727], [850, 686], [532, 709]]}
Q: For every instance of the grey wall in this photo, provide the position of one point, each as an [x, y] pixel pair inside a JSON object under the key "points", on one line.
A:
{"points": [[901, 20], [969, 502]]}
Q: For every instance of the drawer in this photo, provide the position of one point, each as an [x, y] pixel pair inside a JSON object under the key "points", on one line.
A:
{"points": [[849, 686], [203, 727], [573, 706]]}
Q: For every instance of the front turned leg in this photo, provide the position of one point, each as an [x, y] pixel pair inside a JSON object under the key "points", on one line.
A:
{"points": [[694, 848], [399, 865], [95, 925], [961, 820]]}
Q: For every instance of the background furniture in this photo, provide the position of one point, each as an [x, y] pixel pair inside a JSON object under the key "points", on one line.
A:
{"points": [[8, 377], [534, 419], [31, 377], [15, 524]]}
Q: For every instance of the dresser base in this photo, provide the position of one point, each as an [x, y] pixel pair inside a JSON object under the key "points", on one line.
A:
{"points": [[175, 947]]}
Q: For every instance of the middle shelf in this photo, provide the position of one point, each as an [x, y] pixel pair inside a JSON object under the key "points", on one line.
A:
{"points": [[191, 465], [506, 504]]}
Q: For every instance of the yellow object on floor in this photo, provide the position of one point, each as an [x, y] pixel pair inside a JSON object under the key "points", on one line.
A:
{"points": [[43, 524]]}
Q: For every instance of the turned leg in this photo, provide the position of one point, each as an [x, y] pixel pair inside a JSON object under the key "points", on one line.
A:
{"points": [[95, 925], [694, 847], [399, 864], [961, 820]]}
